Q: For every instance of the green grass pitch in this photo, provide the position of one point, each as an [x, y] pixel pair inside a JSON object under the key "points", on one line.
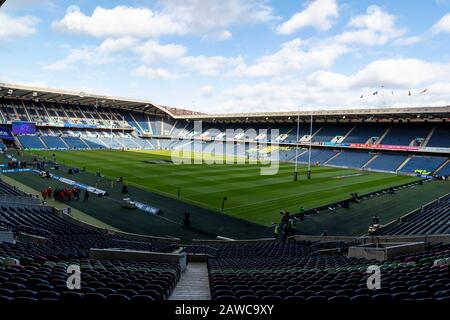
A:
{"points": [[250, 196]]}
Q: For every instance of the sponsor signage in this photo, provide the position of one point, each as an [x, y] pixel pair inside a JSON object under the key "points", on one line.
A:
{"points": [[383, 147], [6, 134], [146, 208]]}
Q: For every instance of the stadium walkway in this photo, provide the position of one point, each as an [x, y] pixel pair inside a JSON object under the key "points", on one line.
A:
{"points": [[194, 283]]}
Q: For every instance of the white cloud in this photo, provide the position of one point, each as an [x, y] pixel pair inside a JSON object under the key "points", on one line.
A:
{"points": [[210, 18], [443, 25], [319, 14], [12, 27], [292, 58], [400, 73], [120, 21], [408, 41], [115, 45], [216, 16], [152, 52], [218, 36], [157, 73], [324, 89], [102, 54], [374, 28], [210, 65], [207, 91]]}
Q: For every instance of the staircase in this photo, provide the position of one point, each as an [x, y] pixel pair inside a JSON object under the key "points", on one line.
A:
{"points": [[370, 160], [380, 139], [441, 166], [427, 139], [194, 283], [403, 164]]}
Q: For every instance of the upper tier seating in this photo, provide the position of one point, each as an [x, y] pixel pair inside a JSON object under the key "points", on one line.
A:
{"points": [[329, 131], [440, 137], [53, 142], [352, 159], [141, 120], [155, 123], [403, 135], [31, 142], [363, 132], [387, 162], [433, 220], [423, 163]]}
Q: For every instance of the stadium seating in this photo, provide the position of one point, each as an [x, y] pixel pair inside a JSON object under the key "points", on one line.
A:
{"points": [[363, 132], [445, 171], [423, 163], [31, 142], [75, 143], [404, 135], [93, 142], [54, 142], [317, 156], [432, 220], [6, 189], [156, 126], [241, 273], [330, 131], [386, 162], [351, 159], [440, 138], [39, 270]]}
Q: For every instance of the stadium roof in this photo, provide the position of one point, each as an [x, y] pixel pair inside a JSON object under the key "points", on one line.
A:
{"points": [[17, 91], [381, 114]]}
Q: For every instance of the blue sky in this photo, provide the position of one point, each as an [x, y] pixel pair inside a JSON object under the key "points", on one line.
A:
{"points": [[234, 55]]}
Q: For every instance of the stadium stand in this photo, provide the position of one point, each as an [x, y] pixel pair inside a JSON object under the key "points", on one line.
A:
{"points": [[363, 133], [423, 163], [330, 131], [53, 142], [405, 135], [239, 272], [386, 162], [7, 190], [350, 159], [444, 171], [31, 142], [440, 138], [75, 143], [432, 220], [317, 156]]}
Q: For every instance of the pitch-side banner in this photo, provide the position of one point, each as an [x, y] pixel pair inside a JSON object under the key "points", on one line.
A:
{"points": [[79, 185]]}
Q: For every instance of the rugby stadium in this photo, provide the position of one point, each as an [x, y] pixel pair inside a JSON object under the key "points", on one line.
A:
{"points": [[116, 200]]}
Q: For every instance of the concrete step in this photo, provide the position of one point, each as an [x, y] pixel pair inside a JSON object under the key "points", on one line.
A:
{"points": [[194, 283]]}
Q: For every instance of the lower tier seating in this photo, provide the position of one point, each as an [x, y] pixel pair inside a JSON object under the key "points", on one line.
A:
{"points": [[432, 220]]}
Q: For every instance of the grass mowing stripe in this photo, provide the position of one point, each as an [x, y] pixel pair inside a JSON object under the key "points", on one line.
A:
{"points": [[250, 196]]}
